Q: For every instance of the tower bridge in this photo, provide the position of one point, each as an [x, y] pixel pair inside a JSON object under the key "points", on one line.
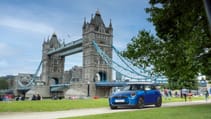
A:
{"points": [[96, 46], [94, 68]]}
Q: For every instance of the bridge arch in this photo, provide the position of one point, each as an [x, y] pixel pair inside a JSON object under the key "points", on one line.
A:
{"points": [[101, 76], [54, 81]]}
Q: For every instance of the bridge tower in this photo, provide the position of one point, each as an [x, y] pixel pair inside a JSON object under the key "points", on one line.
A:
{"points": [[53, 65], [94, 67]]}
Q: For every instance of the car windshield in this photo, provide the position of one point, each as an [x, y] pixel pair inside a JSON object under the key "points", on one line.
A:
{"points": [[133, 87]]}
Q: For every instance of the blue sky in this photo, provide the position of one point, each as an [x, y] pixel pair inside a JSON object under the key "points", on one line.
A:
{"points": [[24, 24]]}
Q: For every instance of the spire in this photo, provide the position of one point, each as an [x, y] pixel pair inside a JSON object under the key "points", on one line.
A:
{"points": [[97, 20], [84, 25], [110, 24], [91, 18], [54, 34], [54, 41], [97, 12], [48, 39], [44, 41]]}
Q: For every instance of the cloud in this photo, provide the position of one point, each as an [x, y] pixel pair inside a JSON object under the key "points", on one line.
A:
{"points": [[26, 25]]}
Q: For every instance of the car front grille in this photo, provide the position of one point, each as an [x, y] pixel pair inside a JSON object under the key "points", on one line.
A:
{"points": [[120, 97], [125, 98]]}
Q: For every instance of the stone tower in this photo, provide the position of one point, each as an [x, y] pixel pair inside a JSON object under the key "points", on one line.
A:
{"points": [[53, 65], [94, 68]]}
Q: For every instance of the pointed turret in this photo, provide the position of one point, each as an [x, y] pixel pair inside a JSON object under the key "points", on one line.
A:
{"points": [[54, 43], [84, 25], [110, 24], [110, 29], [97, 20], [96, 24], [91, 18], [44, 41], [54, 35]]}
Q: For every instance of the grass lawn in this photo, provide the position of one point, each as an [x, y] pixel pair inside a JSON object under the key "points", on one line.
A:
{"points": [[183, 112], [178, 99], [57, 105], [51, 105]]}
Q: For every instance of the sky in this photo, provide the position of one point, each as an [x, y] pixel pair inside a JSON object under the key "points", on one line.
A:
{"points": [[25, 24]]}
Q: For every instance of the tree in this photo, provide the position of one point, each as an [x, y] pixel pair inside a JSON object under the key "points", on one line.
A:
{"points": [[180, 49], [3, 83]]}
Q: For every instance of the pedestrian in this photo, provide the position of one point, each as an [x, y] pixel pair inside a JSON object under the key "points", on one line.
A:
{"points": [[206, 95], [38, 97], [190, 95], [22, 98], [184, 93], [17, 98], [34, 97], [169, 93], [175, 94], [166, 93]]}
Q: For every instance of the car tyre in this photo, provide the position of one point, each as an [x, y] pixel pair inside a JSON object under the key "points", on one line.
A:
{"points": [[158, 102], [113, 107], [140, 103]]}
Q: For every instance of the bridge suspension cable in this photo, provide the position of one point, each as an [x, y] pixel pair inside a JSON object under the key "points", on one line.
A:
{"points": [[130, 71], [129, 63], [119, 68], [30, 83], [137, 69]]}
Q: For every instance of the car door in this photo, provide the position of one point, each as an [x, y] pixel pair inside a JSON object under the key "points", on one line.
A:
{"points": [[149, 95]]}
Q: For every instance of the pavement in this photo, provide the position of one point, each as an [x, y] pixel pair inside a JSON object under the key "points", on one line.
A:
{"points": [[83, 112]]}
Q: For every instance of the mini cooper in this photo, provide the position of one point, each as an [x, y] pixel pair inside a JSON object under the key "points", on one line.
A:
{"points": [[136, 95]]}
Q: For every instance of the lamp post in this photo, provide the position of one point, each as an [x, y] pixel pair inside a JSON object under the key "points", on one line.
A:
{"points": [[207, 6], [88, 89]]}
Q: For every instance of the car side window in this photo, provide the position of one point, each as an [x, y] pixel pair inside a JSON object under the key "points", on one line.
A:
{"points": [[147, 87], [141, 87], [153, 87], [134, 87]]}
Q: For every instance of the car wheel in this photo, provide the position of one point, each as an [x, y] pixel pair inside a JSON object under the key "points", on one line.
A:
{"points": [[140, 103], [158, 102], [113, 107]]}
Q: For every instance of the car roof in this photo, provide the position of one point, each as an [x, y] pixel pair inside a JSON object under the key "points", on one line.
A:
{"points": [[140, 83]]}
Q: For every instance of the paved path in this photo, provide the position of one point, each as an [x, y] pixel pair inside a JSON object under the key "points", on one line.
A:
{"points": [[81, 112]]}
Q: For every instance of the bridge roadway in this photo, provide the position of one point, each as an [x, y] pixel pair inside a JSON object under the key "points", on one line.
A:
{"points": [[83, 112], [69, 48]]}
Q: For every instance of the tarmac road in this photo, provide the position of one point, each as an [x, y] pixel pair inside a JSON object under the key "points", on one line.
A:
{"points": [[81, 112]]}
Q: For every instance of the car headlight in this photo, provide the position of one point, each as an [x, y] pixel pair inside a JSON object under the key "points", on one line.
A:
{"points": [[133, 94]]}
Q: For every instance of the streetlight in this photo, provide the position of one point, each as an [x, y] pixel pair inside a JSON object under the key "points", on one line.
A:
{"points": [[88, 83]]}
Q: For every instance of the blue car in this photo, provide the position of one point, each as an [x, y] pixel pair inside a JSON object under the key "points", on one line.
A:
{"points": [[136, 95]]}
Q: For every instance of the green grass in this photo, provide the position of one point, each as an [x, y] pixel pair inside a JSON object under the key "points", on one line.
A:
{"points": [[58, 105], [183, 112], [178, 99], [51, 105]]}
